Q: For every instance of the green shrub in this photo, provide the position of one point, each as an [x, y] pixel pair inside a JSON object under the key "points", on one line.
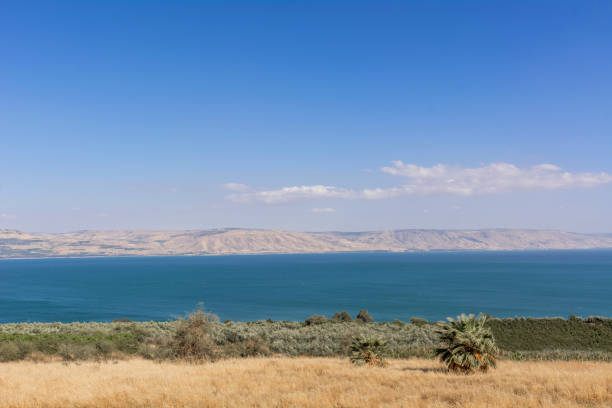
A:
{"points": [[47, 344], [369, 351], [364, 316], [13, 351], [315, 319], [418, 321], [126, 343], [103, 348], [77, 352], [253, 347]]}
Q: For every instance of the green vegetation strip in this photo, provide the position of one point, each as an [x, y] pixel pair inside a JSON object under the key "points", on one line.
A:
{"points": [[519, 338]]}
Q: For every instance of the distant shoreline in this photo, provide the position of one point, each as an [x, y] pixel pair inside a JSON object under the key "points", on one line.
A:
{"points": [[437, 251], [266, 321]]}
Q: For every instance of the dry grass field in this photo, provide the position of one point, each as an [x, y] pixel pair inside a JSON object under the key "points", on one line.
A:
{"points": [[301, 382]]}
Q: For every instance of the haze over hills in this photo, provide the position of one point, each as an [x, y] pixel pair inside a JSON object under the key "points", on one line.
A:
{"points": [[17, 244]]}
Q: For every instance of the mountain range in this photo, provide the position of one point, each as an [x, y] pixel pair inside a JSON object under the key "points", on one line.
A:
{"points": [[90, 243]]}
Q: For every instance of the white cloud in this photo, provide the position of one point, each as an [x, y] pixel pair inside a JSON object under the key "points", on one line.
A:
{"points": [[8, 216], [493, 178], [294, 193], [441, 179], [323, 210], [235, 187]]}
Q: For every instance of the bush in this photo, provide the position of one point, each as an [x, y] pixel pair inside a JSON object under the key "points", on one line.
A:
{"points": [[418, 321], [12, 351], [192, 340], [343, 316], [76, 352], [47, 344], [315, 319], [103, 348], [127, 343], [364, 316], [253, 347], [368, 351], [597, 320]]}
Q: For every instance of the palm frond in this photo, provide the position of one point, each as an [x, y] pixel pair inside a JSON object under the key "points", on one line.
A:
{"points": [[466, 344]]}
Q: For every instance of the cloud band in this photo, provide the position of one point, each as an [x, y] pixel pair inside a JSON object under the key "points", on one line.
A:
{"points": [[440, 179]]}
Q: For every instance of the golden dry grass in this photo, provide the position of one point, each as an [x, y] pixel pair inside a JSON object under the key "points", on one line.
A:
{"points": [[302, 382]]}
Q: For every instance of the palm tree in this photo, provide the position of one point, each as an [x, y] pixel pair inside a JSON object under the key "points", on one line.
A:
{"points": [[369, 351], [466, 344]]}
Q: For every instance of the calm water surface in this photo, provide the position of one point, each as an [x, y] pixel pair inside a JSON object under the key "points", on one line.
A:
{"points": [[293, 287]]}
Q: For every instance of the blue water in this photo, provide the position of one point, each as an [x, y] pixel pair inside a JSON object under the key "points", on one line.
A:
{"points": [[293, 287]]}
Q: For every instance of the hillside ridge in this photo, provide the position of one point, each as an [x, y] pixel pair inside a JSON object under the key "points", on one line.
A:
{"points": [[90, 243]]}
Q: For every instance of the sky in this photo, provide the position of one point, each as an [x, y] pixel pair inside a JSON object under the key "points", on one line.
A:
{"points": [[305, 115]]}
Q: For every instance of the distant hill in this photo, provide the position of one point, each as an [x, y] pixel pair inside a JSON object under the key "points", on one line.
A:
{"points": [[17, 244]]}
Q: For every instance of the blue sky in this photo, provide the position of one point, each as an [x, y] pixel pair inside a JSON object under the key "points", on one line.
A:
{"points": [[141, 114]]}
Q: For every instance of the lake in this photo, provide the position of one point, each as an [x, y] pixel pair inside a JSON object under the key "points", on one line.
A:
{"points": [[431, 285]]}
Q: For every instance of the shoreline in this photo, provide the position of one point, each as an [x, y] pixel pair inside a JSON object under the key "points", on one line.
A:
{"points": [[263, 321], [430, 251]]}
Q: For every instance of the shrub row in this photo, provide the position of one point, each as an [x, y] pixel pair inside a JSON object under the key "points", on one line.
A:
{"points": [[573, 334], [203, 337]]}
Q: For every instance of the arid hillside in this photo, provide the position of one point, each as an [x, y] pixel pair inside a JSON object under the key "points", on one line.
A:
{"points": [[302, 382], [18, 244]]}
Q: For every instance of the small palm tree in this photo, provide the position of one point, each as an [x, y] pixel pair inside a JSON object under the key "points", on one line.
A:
{"points": [[368, 351], [466, 344]]}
